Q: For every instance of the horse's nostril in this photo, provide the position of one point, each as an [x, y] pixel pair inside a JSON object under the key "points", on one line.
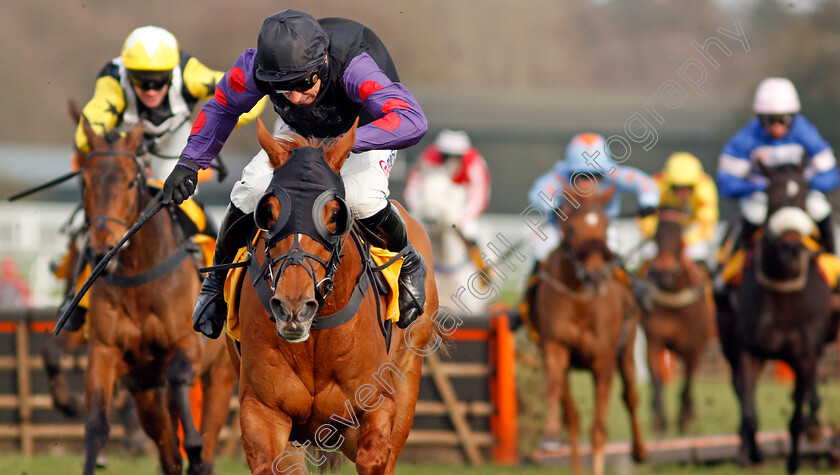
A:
{"points": [[308, 310], [277, 309]]}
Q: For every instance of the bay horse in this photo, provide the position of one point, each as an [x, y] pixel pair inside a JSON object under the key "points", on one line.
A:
{"points": [[302, 379], [440, 202], [139, 324], [781, 310], [585, 318], [682, 314]]}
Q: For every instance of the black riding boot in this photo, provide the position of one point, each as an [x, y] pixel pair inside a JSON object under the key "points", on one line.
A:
{"points": [[387, 228], [826, 235], [210, 307]]}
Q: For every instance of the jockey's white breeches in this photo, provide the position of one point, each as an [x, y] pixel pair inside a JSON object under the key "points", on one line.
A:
{"points": [[365, 176], [754, 207]]}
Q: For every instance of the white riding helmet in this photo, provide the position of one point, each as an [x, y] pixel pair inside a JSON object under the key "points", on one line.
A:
{"points": [[452, 142], [776, 96]]}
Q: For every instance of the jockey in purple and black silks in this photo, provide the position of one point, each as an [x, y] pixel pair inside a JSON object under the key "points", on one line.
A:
{"points": [[320, 75]]}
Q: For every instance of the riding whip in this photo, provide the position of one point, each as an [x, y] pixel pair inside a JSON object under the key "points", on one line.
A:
{"points": [[46, 185], [102, 263]]}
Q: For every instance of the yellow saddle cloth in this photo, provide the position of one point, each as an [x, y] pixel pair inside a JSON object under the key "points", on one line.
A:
{"points": [[828, 265], [233, 286]]}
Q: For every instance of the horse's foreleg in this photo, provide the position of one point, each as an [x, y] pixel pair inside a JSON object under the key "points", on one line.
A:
{"points": [[654, 350], [805, 378], [627, 368], [265, 439], [64, 399], [373, 449], [180, 375], [572, 419], [556, 366], [687, 403], [217, 387], [155, 419], [813, 428], [603, 374], [100, 377], [745, 370]]}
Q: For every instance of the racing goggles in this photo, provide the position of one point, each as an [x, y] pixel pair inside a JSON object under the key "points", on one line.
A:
{"points": [[300, 84], [769, 119], [150, 80]]}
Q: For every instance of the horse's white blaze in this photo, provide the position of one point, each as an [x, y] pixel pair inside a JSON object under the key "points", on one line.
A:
{"points": [[591, 218], [792, 188]]}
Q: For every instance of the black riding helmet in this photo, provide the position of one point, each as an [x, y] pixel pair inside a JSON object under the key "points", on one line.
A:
{"points": [[291, 51]]}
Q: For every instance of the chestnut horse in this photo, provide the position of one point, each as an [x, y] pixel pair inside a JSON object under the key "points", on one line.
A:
{"points": [[303, 379], [585, 318], [682, 314], [139, 324], [781, 310]]}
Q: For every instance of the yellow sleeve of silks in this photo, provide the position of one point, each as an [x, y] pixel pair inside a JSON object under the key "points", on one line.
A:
{"points": [[706, 213], [103, 110], [252, 114], [647, 225], [200, 80]]}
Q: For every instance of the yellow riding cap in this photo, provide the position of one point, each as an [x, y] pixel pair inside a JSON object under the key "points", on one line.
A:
{"points": [[150, 48], [683, 169]]}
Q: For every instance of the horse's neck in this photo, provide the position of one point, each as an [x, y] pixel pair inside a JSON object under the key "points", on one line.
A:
{"points": [[564, 269], [346, 276], [151, 244], [771, 263]]}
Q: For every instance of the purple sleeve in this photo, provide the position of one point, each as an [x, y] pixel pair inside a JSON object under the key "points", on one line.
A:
{"points": [[400, 121], [236, 94]]}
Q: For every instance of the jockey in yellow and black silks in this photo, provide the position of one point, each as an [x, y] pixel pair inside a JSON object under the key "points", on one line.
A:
{"points": [[154, 83], [686, 187]]}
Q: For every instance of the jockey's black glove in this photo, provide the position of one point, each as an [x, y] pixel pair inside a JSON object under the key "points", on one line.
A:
{"points": [[180, 184], [646, 211]]}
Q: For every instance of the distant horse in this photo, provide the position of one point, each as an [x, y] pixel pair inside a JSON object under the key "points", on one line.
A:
{"points": [[585, 318], [681, 318], [781, 310], [303, 379], [440, 202], [139, 325]]}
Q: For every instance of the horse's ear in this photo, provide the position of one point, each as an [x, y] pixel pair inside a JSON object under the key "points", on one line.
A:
{"points": [[607, 195], [338, 152], [135, 136], [73, 109], [277, 154], [91, 136]]}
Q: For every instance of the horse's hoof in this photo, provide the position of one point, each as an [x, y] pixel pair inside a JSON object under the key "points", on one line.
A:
{"points": [[639, 453], [101, 461], [550, 444], [792, 465], [813, 432], [135, 442], [202, 468]]}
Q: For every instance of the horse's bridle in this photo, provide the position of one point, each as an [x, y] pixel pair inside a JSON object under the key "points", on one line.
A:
{"points": [[273, 267], [139, 182], [570, 254]]}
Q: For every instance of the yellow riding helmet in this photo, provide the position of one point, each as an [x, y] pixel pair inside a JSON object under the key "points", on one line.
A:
{"points": [[683, 169], [150, 48]]}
